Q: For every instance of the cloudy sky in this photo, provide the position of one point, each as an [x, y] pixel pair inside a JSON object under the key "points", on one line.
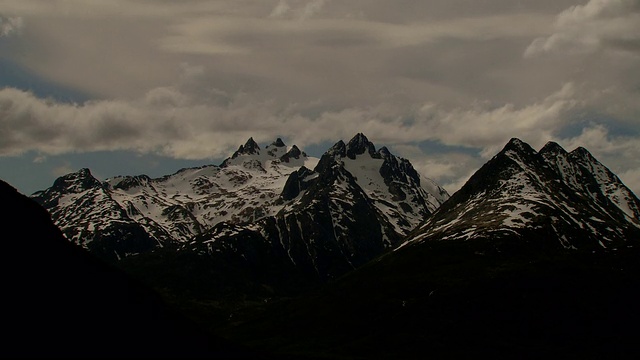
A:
{"points": [[127, 87]]}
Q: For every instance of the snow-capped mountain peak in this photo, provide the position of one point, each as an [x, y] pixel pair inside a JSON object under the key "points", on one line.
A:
{"points": [[552, 193], [245, 188], [249, 148], [76, 182], [553, 149], [354, 205], [359, 145], [391, 184]]}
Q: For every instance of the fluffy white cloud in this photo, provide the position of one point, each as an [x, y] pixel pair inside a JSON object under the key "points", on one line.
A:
{"points": [[449, 168], [599, 24], [10, 25]]}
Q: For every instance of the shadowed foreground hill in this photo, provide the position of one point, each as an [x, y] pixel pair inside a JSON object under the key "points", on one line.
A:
{"points": [[451, 299], [58, 301]]}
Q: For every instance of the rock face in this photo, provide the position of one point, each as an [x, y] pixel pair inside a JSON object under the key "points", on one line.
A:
{"points": [[135, 214], [355, 204], [553, 197]]}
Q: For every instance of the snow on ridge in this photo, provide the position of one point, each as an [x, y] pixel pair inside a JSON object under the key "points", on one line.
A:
{"points": [[246, 188]]}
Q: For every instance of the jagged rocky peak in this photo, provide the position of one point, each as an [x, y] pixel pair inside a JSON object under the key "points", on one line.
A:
{"points": [[78, 181], [128, 182], [360, 145], [296, 183], [521, 153], [293, 153], [278, 143], [518, 146], [385, 153], [249, 148], [583, 154], [276, 148], [552, 148], [338, 149]]}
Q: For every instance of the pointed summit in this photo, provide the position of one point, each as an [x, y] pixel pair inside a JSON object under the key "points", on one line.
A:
{"points": [[520, 152], [557, 157], [293, 153], [384, 153], [518, 145], [359, 145], [581, 153], [278, 143], [549, 198], [77, 182], [338, 149], [552, 148], [250, 147]]}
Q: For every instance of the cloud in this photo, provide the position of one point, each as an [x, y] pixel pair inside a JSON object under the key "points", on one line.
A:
{"points": [[305, 11], [169, 122], [450, 168], [172, 121], [597, 25], [490, 128], [193, 79], [311, 8], [10, 25], [280, 10], [62, 169]]}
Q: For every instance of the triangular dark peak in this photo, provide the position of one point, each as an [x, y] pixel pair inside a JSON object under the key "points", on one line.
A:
{"points": [[384, 153], [77, 181], [520, 151], [338, 148], [358, 145], [128, 182], [249, 148], [294, 153], [337, 151], [278, 143], [552, 148], [518, 145], [583, 154]]}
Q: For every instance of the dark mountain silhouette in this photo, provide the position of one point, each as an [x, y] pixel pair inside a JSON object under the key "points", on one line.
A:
{"points": [[59, 301]]}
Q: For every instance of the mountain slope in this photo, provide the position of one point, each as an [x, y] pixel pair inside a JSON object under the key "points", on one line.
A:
{"points": [[357, 203], [553, 197]]}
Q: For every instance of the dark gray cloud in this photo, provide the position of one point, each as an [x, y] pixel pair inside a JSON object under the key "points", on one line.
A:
{"points": [[193, 79]]}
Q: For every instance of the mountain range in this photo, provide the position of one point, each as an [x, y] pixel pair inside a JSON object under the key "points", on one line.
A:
{"points": [[320, 217], [357, 254], [535, 256]]}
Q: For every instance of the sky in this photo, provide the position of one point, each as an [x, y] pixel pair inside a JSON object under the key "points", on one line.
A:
{"points": [[128, 87]]}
